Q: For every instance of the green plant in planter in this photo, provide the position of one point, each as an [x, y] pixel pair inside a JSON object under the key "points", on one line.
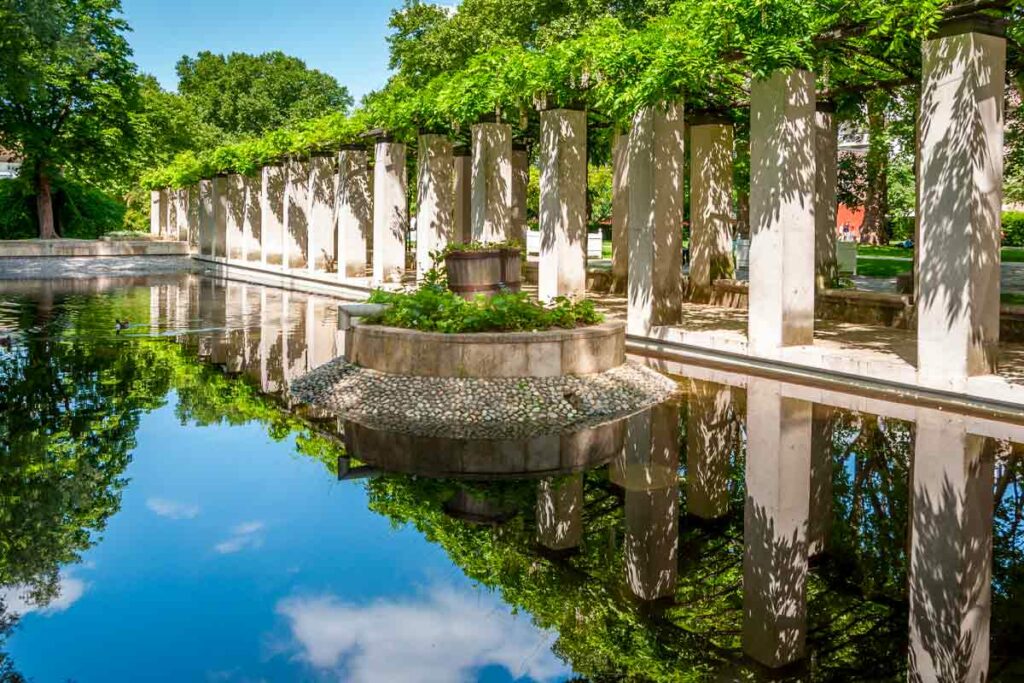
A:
{"points": [[470, 247], [432, 308]]}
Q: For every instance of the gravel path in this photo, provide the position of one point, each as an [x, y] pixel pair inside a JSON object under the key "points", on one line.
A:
{"points": [[91, 266], [480, 408]]}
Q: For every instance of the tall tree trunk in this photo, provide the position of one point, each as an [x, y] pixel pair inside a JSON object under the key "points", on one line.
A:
{"points": [[876, 204], [44, 206]]}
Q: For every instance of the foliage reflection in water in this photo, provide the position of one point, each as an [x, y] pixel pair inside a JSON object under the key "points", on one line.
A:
{"points": [[740, 532]]}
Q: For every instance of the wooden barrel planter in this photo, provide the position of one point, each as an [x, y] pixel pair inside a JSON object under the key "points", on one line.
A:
{"points": [[483, 272]]}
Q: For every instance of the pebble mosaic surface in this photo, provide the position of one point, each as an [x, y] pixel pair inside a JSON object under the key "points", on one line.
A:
{"points": [[480, 408]]}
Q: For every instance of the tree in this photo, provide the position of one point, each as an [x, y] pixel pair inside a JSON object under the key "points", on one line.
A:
{"points": [[242, 94], [66, 87]]}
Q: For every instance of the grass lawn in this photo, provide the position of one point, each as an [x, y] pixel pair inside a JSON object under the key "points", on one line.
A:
{"points": [[897, 252], [1013, 254], [876, 267], [1014, 299]]}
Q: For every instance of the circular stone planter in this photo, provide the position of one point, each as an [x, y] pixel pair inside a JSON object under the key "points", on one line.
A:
{"points": [[553, 353], [483, 272]]}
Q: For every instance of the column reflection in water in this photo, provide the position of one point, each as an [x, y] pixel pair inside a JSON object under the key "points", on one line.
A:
{"points": [[711, 439], [271, 341], [950, 579], [234, 333], [560, 512], [648, 469], [820, 505], [775, 524], [293, 322]]}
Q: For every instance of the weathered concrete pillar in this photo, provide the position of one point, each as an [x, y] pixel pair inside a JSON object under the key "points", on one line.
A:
{"points": [[563, 204], [322, 229], [492, 182], [781, 211], [950, 573], [711, 440], [960, 202], [826, 203], [434, 222], [180, 228], [648, 471], [220, 216], [194, 221], [296, 217], [520, 182], [170, 217], [819, 526], [462, 183], [272, 202], [206, 226], [252, 225], [355, 211], [656, 167], [620, 212], [711, 214], [560, 512], [390, 212], [234, 231], [156, 212], [775, 519]]}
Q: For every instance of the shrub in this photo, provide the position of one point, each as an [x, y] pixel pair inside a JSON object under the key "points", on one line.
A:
{"points": [[81, 211], [1013, 228], [432, 308]]}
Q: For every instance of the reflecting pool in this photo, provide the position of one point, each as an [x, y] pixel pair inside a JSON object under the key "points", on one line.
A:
{"points": [[168, 513]]}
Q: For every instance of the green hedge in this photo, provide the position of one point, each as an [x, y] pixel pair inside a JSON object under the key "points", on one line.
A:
{"points": [[1013, 228], [81, 211]]}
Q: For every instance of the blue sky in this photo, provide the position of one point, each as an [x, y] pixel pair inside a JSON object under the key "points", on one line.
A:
{"points": [[345, 38]]}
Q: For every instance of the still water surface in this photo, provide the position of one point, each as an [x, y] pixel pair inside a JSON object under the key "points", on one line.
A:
{"points": [[168, 514]]}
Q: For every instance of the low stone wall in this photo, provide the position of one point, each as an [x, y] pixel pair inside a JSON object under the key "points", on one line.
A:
{"points": [[93, 248], [554, 353]]}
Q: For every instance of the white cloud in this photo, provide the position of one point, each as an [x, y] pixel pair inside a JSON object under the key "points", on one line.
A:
{"points": [[172, 509], [244, 536], [444, 635], [17, 601]]}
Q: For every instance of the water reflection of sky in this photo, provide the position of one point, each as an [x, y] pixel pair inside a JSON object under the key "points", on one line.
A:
{"points": [[232, 559]]}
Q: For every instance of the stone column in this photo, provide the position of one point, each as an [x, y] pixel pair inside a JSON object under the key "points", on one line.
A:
{"points": [[656, 166], [355, 211], [711, 440], [492, 182], [560, 512], [781, 211], [296, 217], [819, 528], [169, 209], [322, 229], [520, 182], [206, 222], [272, 185], [648, 470], [960, 202], [563, 204], [155, 212], [950, 573], [620, 211], [181, 211], [434, 222], [775, 519], [826, 204], [462, 209], [220, 216], [194, 220], [234, 233], [711, 214], [390, 212], [252, 221]]}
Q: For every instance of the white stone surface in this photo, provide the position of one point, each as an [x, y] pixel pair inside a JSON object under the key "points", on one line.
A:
{"points": [[234, 236], [492, 182], [620, 210], [296, 215], [520, 182], [563, 204], [435, 193], [390, 212], [322, 220], [252, 225], [711, 213], [355, 213], [220, 216], [272, 183], [826, 205], [462, 209]]}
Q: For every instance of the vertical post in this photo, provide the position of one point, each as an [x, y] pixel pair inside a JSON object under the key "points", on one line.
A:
{"points": [[648, 470], [711, 215], [492, 182], [234, 233], [620, 211], [781, 311], [355, 211], [296, 217], [206, 221], [826, 204], [463, 190], [194, 218], [560, 512], [950, 577], [220, 215], [435, 196], [155, 212], [775, 525], [252, 221], [656, 165], [181, 210], [322, 230], [390, 212], [711, 438], [169, 217], [960, 202], [563, 204], [272, 205], [520, 182]]}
